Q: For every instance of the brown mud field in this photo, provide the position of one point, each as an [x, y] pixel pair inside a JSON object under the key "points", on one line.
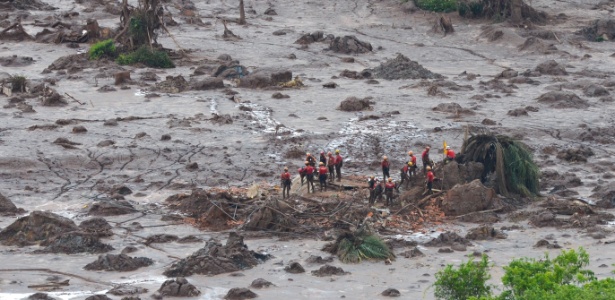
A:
{"points": [[128, 182]]}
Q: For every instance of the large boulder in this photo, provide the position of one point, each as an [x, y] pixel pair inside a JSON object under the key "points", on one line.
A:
{"points": [[355, 104], [119, 262], [349, 44], [551, 67], [604, 196], [179, 287], [75, 242], [36, 227], [454, 173], [466, 198], [7, 207], [563, 99]]}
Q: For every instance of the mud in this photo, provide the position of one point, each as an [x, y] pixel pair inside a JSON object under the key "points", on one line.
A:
{"points": [[74, 242], [328, 270], [37, 227], [401, 67], [121, 263]]}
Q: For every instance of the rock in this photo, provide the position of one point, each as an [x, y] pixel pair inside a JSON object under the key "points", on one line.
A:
{"points": [[281, 77], [391, 292], [313, 259], [240, 294], [74, 242], [106, 89], [193, 166], [415, 252], [563, 99], [149, 76], [309, 38], [600, 29], [466, 198], [260, 283], [225, 57], [189, 239], [604, 195], [355, 104], [179, 287], [278, 95], [7, 207], [453, 108], [112, 122], [122, 77], [160, 238], [447, 239], [122, 190], [594, 90], [445, 250], [328, 270], [123, 290], [485, 233], [280, 32], [509, 73], [119, 262], [98, 297], [517, 112], [172, 85], [105, 143], [40, 296], [215, 259], [408, 7], [254, 81], [79, 129], [489, 122], [349, 44], [330, 85], [105, 208], [551, 67], [579, 154], [545, 243], [270, 12], [34, 228], [207, 84], [294, 268], [459, 247], [165, 137], [96, 226], [401, 67], [545, 219], [460, 173]]}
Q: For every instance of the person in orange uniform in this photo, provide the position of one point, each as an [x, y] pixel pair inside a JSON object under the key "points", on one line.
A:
{"points": [[331, 165], [450, 154], [386, 166], [322, 176], [285, 183], [430, 179], [339, 162], [412, 169], [309, 175], [388, 191], [425, 158]]}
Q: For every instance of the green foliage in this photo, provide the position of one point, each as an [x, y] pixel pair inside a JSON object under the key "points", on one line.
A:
{"points": [[355, 247], [18, 83], [470, 9], [562, 278], [149, 57], [138, 28], [103, 48], [437, 5], [468, 280], [600, 39]]}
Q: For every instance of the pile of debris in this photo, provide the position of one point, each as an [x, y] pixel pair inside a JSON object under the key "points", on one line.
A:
{"points": [[401, 67]]}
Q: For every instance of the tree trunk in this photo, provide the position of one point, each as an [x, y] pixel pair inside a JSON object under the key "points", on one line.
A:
{"points": [[516, 16], [242, 13]]}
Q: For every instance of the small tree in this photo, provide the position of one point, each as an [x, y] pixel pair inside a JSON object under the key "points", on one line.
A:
{"points": [[469, 280]]}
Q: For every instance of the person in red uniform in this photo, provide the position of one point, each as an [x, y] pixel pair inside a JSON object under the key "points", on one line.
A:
{"points": [[450, 155], [331, 165], [388, 191], [285, 183], [430, 180], [339, 162], [322, 176], [425, 158], [386, 165], [372, 182], [309, 175], [412, 169], [404, 174], [302, 173], [310, 159], [323, 158]]}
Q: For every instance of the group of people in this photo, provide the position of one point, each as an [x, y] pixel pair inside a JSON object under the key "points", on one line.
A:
{"points": [[329, 166]]}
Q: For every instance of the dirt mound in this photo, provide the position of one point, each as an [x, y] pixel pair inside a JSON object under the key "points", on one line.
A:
{"points": [[240, 294], [161, 238], [189, 239], [111, 208], [536, 45], [75, 242], [551, 67], [517, 112], [602, 135], [467, 198], [229, 69], [215, 259], [349, 44], [544, 219], [16, 61], [118, 262], [254, 81], [98, 297], [453, 108], [260, 283], [485, 233], [172, 84], [96, 226], [599, 30], [414, 252], [391, 292], [294, 268], [328, 270], [123, 290], [604, 195], [355, 104], [317, 259], [207, 84], [34, 228], [40, 296], [30, 5], [308, 38], [447, 239], [74, 62], [179, 287], [401, 67], [545, 244], [579, 154], [15, 32], [267, 219], [594, 90], [563, 99], [7, 207]]}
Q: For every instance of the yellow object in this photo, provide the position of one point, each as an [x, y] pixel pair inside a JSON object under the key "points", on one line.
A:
{"points": [[444, 147], [293, 83], [410, 163]]}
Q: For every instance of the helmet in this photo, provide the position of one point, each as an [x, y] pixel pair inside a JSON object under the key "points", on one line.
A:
{"points": [[410, 163], [321, 163], [285, 168], [427, 148], [385, 157], [308, 154], [410, 153], [337, 151], [329, 153], [390, 179], [307, 162], [322, 152], [448, 147], [428, 168], [372, 177]]}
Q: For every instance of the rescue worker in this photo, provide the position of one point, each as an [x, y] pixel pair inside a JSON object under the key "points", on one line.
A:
{"points": [[430, 179], [322, 176], [388, 191], [386, 165], [323, 158], [450, 155], [412, 169], [405, 177], [372, 182], [339, 162], [331, 165], [309, 175], [310, 159], [425, 158], [302, 172], [285, 183]]}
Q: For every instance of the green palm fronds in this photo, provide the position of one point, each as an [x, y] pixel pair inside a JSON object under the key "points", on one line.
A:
{"points": [[354, 248]]}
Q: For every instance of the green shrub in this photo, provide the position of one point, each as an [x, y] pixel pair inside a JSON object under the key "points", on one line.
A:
{"points": [[437, 5], [18, 83], [149, 57], [103, 48], [470, 9], [469, 280], [353, 247]]}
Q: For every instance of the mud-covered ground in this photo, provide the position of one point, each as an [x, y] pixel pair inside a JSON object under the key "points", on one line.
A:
{"points": [[159, 144]]}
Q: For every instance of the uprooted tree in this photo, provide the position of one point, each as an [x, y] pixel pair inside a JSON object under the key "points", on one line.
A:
{"points": [[517, 11]]}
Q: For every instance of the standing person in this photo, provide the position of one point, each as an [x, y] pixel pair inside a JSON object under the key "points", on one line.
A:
{"points": [[331, 165], [302, 172], [323, 158], [430, 179], [339, 162], [310, 159], [385, 167], [388, 191], [372, 183], [450, 154], [405, 177], [285, 183], [309, 175], [322, 176], [425, 158], [413, 167]]}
